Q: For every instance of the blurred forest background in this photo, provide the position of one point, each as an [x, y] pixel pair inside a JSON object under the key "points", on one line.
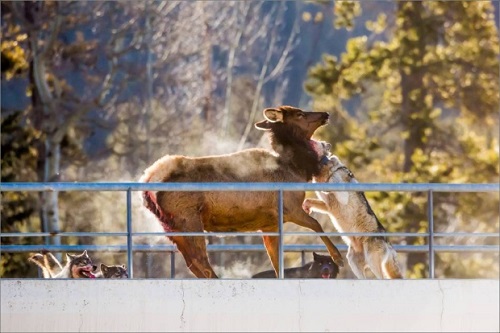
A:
{"points": [[97, 91]]}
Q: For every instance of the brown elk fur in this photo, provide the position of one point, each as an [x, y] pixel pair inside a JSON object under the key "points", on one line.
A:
{"points": [[293, 160]]}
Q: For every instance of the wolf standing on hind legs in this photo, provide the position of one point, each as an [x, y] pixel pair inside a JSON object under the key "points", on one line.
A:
{"points": [[349, 211], [292, 159]]}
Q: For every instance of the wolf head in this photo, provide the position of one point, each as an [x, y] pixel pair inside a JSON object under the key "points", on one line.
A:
{"points": [[81, 265], [114, 272], [324, 267]]}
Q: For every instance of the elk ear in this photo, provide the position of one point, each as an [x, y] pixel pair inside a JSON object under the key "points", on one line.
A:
{"points": [[273, 115], [342, 197], [263, 125]]}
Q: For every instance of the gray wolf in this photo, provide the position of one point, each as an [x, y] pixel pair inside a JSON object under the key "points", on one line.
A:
{"points": [[112, 272], [292, 159], [350, 212], [322, 267], [77, 266]]}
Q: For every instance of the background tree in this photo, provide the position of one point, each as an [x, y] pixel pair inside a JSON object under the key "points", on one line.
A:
{"points": [[417, 101], [109, 87]]}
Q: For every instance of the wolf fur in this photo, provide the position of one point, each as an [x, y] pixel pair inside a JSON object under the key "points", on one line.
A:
{"points": [[47, 263], [77, 266], [322, 267], [112, 272], [350, 212]]}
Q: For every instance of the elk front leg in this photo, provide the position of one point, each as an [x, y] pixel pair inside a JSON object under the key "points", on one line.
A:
{"points": [[307, 221], [272, 247], [194, 251]]}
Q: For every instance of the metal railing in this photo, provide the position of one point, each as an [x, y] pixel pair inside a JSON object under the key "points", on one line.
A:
{"points": [[430, 188]]}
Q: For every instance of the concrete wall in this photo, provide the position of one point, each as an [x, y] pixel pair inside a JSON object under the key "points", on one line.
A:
{"points": [[249, 305]]}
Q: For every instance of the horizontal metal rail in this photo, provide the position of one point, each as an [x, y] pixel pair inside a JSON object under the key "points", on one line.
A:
{"points": [[237, 234], [237, 248], [120, 186], [429, 188]]}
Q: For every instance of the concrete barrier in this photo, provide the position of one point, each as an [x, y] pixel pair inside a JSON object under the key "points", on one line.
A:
{"points": [[249, 305]]}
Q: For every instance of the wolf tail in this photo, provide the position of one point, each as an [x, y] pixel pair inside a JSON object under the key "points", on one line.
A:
{"points": [[39, 260]]}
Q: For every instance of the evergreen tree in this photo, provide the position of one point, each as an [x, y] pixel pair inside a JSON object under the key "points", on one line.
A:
{"points": [[18, 209], [417, 101]]}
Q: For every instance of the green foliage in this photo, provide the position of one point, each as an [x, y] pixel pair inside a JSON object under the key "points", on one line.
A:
{"points": [[428, 98], [14, 60], [345, 13], [18, 209]]}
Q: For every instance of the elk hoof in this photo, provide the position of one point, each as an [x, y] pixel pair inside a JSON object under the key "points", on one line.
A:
{"points": [[339, 262]]}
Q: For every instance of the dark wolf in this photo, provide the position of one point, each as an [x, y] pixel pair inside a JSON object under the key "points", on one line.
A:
{"points": [[322, 267]]}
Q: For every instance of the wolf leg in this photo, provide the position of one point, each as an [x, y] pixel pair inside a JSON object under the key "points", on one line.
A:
{"points": [[382, 259], [390, 265], [356, 262]]}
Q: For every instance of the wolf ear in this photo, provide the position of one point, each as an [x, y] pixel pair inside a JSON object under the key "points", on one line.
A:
{"points": [[69, 257], [123, 266], [315, 255], [85, 253], [104, 268]]}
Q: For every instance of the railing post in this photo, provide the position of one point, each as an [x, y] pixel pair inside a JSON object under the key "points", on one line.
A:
{"points": [[172, 265], [129, 234], [281, 273], [430, 216]]}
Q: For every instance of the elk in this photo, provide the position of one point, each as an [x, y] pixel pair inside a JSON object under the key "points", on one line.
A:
{"points": [[292, 159]]}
